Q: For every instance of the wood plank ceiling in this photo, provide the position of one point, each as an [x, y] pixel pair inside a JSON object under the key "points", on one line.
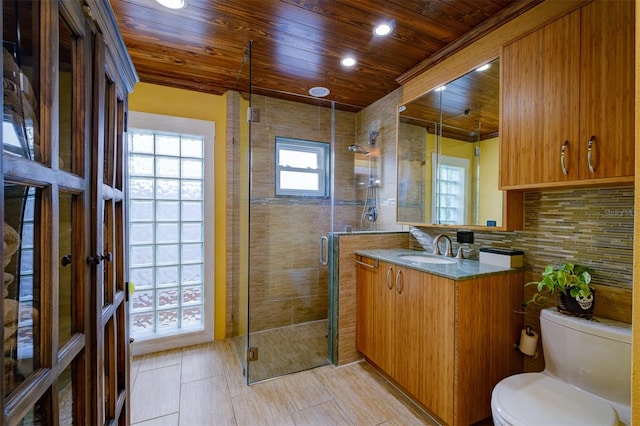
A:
{"points": [[298, 44]]}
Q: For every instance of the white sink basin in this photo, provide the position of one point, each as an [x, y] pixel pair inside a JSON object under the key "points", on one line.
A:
{"points": [[426, 259]]}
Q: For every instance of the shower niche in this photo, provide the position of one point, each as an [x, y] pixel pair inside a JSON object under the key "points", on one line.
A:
{"points": [[447, 156]]}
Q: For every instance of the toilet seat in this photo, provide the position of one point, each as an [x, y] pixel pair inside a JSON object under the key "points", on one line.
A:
{"points": [[539, 399]]}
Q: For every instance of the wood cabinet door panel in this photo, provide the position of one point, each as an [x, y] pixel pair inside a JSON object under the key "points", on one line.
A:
{"points": [[383, 318], [366, 280], [540, 105], [438, 318], [409, 336], [607, 88]]}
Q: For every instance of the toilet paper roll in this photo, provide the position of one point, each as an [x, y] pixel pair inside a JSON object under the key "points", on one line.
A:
{"points": [[528, 344]]}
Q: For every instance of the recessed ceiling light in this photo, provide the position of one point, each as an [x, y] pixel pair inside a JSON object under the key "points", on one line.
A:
{"points": [[348, 61], [484, 67], [319, 91], [173, 4], [440, 89], [382, 29]]}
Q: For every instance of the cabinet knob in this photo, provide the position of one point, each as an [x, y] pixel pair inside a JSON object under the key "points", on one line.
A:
{"points": [[95, 260], [66, 260]]}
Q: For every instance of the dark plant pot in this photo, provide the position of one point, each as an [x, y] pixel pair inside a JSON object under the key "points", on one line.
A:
{"points": [[570, 306]]}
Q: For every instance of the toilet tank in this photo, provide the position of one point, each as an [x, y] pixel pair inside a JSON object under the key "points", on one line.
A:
{"points": [[593, 355]]}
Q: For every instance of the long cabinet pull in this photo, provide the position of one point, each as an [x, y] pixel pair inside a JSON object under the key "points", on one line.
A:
{"points": [[399, 281], [389, 282], [562, 158], [589, 154], [367, 265]]}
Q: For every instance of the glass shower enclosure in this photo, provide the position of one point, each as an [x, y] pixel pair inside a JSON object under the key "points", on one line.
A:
{"points": [[283, 315]]}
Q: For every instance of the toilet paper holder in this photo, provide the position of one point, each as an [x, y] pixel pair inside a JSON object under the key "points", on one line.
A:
{"points": [[528, 343]]}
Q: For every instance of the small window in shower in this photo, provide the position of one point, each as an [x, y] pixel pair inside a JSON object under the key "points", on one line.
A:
{"points": [[302, 168]]}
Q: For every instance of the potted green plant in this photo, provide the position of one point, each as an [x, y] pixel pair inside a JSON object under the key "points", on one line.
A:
{"points": [[573, 284]]}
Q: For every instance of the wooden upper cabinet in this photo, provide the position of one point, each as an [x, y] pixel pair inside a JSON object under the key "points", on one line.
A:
{"points": [[567, 87], [607, 86]]}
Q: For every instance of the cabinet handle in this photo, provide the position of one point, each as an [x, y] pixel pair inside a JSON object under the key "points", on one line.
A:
{"points": [[399, 281], [389, 282], [366, 265], [562, 159], [590, 155]]}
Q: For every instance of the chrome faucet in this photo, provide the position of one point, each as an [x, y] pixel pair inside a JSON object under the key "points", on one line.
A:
{"points": [[448, 247]]}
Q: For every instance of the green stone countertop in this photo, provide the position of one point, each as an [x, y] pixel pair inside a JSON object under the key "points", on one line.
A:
{"points": [[460, 269]]}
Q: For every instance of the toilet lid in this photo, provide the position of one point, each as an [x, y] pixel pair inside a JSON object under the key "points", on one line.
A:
{"points": [[538, 399]]}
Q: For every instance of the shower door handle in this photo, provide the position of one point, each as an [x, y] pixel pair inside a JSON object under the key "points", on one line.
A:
{"points": [[324, 250]]}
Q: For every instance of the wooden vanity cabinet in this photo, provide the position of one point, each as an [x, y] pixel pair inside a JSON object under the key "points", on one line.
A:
{"points": [[445, 342], [568, 98]]}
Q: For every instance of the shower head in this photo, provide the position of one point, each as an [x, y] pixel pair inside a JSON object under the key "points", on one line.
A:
{"points": [[358, 149]]}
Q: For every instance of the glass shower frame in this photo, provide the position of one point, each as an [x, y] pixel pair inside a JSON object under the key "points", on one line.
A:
{"points": [[282, 266]]}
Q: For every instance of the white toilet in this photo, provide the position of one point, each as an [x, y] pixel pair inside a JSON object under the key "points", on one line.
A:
{"points": [[586, 380]]}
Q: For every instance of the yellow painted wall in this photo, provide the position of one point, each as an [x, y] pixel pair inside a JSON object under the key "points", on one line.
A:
{"points": [[456, 148], [490, 196], [155, 99]]}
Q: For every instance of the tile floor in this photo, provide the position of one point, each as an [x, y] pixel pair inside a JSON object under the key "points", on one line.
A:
{"points": [[203, 385]]}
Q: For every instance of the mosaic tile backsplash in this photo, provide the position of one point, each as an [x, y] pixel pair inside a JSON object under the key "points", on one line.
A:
{"points": [[593, 227]]}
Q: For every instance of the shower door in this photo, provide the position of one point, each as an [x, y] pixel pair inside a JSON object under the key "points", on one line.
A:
{"points": [[290, 217]]}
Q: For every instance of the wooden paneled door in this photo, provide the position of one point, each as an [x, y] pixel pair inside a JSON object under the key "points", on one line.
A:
{"points": [[65, 317], [109, 364]]}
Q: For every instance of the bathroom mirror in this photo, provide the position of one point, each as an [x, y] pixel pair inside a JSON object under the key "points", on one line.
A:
{"points": [[447, 154]]}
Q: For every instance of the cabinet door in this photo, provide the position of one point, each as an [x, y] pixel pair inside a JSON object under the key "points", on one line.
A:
{"points": [[45, 194], [607, 89], [409, 329], [366, 280], [383, 318], [437, 361], [110, 361], [540, 105]]}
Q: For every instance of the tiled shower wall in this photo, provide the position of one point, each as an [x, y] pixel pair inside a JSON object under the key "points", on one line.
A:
{"points": [[288, 285], [381, 116], [593, 227]]}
